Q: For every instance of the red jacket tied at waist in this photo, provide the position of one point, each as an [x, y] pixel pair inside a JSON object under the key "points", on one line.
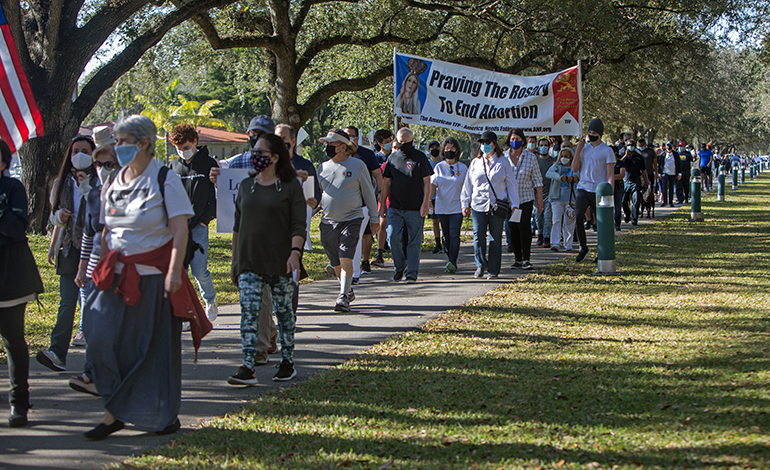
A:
{"points": [[184, 301]]}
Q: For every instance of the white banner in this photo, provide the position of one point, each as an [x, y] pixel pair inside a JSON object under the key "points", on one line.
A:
{"points": [[443, 94], [227, 189]]}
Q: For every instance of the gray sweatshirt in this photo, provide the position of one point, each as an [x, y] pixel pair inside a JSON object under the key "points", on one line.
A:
{"points": [[346, 186]]}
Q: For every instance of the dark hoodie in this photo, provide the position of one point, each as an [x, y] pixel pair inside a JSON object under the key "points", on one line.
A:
{"points": [[195, 179]]}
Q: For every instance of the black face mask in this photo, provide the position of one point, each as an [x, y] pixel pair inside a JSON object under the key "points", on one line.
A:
{"points": [[253, 140], [450, 155], [406, 146], [331, 151], [593, 138], [434, 152]]}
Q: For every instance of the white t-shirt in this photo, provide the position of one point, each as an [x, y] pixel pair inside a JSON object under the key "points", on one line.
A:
{"points": [[449, 185], [593, 166], [669, 167], [135, 215]]}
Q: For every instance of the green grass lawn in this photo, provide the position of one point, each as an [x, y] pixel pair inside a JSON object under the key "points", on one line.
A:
{"points": [[666, 366]]}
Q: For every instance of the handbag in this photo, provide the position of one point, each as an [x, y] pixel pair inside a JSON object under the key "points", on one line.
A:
{"points": [[501, 207]]}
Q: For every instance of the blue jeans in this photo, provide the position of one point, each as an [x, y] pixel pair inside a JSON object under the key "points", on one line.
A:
{"points": [[413, 221], [482, 222], [631, 195], [544, 219], [450, 231], [199, 264], [618, 201], [62, 331]]}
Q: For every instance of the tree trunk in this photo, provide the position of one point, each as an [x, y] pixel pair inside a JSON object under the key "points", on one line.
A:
{"points": [[40, 162]]}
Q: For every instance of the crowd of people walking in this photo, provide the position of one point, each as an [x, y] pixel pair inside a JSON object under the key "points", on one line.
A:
{"points": [[127, 230]]}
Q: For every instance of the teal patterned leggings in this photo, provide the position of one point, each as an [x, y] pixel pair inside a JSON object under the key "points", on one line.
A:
{"points": [[282, 291]]}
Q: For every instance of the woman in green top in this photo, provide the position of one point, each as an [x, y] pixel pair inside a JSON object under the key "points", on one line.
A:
{"points": [[268, 233]]}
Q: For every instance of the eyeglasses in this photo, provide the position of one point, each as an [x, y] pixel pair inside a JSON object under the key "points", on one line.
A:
{"points": [[261, 153], [108, 165]]}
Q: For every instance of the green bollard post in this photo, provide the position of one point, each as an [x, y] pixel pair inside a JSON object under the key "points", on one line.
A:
{"points": [[743, 174], [696, 215], [721, 183], [605, 228], [735, 177]]}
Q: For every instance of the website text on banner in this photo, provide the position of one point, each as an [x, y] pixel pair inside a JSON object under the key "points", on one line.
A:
{"points": [[454, 96]]}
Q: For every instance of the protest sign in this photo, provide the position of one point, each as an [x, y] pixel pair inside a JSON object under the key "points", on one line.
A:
{"points": [[443, 94], [228, 182]]}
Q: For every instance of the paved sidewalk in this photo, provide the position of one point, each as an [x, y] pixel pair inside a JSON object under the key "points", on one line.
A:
{"points": [[54, 440]]}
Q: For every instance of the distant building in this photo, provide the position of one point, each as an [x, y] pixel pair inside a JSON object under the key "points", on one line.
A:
{"points": [[221, 143]]}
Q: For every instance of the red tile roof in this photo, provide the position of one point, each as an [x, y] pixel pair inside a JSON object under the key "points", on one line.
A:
{"points": [[207, 134]]}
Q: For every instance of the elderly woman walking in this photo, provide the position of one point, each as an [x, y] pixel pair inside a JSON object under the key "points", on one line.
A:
{"points": [[133, 322]]}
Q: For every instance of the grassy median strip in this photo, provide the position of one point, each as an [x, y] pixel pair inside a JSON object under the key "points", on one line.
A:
{"points": [[665, 366]]}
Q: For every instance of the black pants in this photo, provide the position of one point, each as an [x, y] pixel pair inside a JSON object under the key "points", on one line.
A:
{"points": [[668, 186], [583, 201], [12, 332], [521, 233]]}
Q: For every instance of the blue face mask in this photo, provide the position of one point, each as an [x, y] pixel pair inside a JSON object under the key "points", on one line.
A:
{"points": [[543, 150], [126, 153], [486, 148], [388, 146], [517, 144]]}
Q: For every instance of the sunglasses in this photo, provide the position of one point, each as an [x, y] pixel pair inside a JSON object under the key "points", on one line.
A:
{"points": [[108, 165]]}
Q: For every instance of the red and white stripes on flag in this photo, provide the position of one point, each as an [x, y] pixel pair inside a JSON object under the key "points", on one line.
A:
{"points": [[20, 119]]}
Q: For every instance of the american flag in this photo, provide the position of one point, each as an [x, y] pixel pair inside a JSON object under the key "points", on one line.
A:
{"points": [[20, 119]]}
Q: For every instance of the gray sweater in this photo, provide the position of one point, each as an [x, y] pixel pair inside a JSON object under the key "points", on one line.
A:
{"points": [[346, 187]]}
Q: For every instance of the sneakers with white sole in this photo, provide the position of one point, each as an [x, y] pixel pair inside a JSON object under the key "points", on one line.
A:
{"points": [[212, 311], [50, 360], [285, 372], [244, 376], [79, 339]]}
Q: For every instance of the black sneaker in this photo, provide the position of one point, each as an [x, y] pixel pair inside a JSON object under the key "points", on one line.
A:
{"points": [[351, 295], [582, 255], [437, 249], [516, 265], [245, 376], [343, 304], [527, 265], [285, 372], [398, 275], [378, 261], [365, 268]]}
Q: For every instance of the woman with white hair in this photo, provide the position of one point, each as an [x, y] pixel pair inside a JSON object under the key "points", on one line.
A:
{"points": [[133, 322]]}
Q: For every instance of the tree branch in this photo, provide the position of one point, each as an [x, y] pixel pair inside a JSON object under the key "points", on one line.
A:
{"points": [[123, 62], [326, 43], [299, 20], [218, 42], [345, 84]]}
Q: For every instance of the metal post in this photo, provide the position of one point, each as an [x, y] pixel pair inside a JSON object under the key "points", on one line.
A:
{"points": [[735, 177], [721, 183], [605, 228], [751, 172], [696, 215], [743, 174]]}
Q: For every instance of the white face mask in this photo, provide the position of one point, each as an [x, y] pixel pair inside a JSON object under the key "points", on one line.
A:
{"points": [[186, 154], [564, 161], [81, 161], [104, 174]]}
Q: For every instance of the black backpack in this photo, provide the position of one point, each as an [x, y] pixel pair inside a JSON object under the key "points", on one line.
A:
{"points": [[192, 247]]}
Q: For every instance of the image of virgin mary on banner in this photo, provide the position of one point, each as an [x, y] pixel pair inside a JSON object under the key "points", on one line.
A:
{"points": [[443, 94]]}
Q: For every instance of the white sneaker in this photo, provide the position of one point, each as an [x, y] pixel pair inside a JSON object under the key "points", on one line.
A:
{"points": [[50, 360], [212, 311], [79, 339]]}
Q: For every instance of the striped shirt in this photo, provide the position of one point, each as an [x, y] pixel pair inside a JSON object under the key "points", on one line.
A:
{"points": [[527, 173]]}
